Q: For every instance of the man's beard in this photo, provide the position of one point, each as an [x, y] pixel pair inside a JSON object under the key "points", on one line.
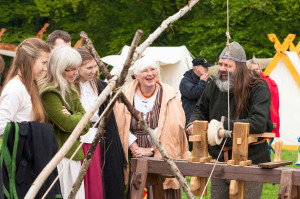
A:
{"points": [[223, 84]]}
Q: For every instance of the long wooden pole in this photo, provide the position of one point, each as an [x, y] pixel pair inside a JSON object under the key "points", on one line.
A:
{"points": [[53, 163], [148, 130], [36, 185], [87, 160]]}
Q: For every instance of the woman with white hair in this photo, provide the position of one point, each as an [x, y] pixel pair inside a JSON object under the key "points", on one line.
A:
{"points": [[156, 103], [64, 110]]}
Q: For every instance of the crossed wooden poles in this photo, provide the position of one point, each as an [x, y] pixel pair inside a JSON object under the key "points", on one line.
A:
{"points": [[113, 82]]}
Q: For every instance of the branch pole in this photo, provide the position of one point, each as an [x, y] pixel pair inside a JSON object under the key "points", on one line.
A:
{"points": [[57, 158], [150, 132], [152, 37], [36, 185], [132, 110], [106, 113]]}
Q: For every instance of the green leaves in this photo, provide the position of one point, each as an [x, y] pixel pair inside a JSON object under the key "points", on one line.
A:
{"points": [[111, 24]]}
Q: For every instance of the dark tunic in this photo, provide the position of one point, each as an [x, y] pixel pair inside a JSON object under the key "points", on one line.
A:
{"points": [[113, 158], [213, 105]]}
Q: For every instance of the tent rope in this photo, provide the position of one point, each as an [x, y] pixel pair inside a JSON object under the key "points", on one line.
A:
{"points": [[228, 102]]}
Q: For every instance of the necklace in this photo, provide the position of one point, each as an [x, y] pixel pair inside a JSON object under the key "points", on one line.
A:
{"points": [[147, 96]]}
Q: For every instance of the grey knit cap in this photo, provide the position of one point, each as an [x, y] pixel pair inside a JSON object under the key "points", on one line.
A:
{"points": [[237, 52]]}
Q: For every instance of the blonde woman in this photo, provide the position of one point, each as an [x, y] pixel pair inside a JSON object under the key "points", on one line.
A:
{"points": [[64, 110]]}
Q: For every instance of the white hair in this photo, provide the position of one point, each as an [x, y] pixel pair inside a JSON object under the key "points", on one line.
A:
{"points": [[61, 57], [143, 63]]}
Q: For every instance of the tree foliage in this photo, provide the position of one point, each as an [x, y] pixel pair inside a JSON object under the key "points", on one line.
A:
{"points": [[112, 24]]}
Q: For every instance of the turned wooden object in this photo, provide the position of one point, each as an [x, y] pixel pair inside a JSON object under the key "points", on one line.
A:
{"points": [[278, 148]]}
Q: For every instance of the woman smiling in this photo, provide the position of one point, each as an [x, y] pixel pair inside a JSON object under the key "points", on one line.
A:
{"points": [[157, 105]]}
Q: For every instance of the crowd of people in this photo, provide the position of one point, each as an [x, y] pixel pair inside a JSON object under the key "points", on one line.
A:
{"points": [[52, 85]]}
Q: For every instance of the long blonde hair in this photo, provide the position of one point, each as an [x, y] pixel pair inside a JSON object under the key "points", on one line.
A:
{"points": [[27, 54], [61, 58]]}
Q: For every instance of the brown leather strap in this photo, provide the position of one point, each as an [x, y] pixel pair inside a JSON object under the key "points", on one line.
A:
{"points": [[259, 142], [227, 148]]}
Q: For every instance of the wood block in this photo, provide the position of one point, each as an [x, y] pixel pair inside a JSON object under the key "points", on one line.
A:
{"points": [[262, 135], [245, 163], [191, 159], [231, 162], [240, 194], [271, 165], [239, 140], [285, 188], [206, 159], [234, 187], [197, 185], [139, 179], [158, 190], [195, 138], [252, 139]]}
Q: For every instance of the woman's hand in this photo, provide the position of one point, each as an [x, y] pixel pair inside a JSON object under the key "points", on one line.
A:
{"points": [[65, 110], [139, 152]]}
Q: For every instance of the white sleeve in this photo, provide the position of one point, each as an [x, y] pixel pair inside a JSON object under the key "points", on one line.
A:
{"points": [[9, 105], [132, 139]]}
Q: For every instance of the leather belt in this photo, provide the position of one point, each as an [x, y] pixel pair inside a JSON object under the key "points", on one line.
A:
{"points": [[228, 148]]}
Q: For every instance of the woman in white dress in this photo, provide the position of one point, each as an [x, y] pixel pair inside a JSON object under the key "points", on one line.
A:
{"points": [[20, 89], [105, 177]]}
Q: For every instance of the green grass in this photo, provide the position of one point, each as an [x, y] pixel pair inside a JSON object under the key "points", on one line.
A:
{"points": [[269, 191]]}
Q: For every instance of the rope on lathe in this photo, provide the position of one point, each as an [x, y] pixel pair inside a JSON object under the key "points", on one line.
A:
{"points": [[228, 103]]}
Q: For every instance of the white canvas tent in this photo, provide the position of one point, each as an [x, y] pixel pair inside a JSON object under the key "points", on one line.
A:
{"points": [[173, 62], [286, 74]]}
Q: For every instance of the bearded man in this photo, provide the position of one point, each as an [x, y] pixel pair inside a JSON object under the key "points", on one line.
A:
{"points": [[249, 98]]}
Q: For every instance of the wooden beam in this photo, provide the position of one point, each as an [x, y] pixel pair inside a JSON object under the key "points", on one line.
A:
{"points": [[222, 171]]}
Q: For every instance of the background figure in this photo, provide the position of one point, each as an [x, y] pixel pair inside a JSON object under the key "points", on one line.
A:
{"points": [[64, 110], [109, 158], [156, 103], [19, 94], [59, 37], [192, 86], [274, 109], [250, 101]]}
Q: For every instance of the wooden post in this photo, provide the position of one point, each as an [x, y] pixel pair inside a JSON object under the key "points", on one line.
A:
{"points": [[200, 154], [239, 157], [285, 188], [139, 179]]}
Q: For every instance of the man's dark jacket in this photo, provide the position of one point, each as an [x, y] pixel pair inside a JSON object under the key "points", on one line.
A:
{"points": [[213, 105], [35, 147], [113, 158], [191, 89]]}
